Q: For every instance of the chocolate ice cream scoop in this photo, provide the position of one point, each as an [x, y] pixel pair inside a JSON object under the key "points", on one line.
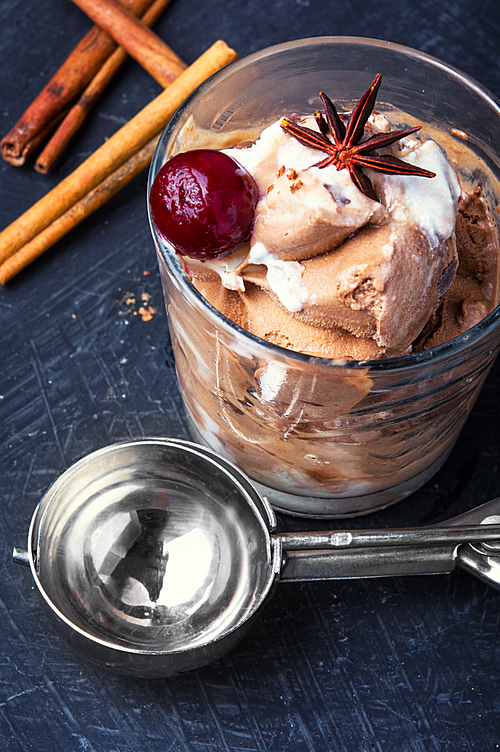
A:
{"points": [[331, 272]]}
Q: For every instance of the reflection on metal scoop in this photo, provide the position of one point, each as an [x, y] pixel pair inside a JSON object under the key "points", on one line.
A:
{"points": [[146, 560], [154, 556]]}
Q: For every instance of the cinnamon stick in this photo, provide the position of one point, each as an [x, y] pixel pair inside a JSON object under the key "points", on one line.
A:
{"points": [[45, 112], [77, 213], [148, 123], [140, 42], [77, 115]]}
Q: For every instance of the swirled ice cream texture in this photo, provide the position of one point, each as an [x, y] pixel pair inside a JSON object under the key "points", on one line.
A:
{"points": [[328, 271]]}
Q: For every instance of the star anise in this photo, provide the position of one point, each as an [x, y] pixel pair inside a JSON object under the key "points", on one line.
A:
{"points": [[347, 151]]}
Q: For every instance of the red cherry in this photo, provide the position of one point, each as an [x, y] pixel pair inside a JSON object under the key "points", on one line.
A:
{"points": [[203, 203]]}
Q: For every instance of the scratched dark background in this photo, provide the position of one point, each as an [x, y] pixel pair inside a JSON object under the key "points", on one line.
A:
{"points": [[390, 665]]}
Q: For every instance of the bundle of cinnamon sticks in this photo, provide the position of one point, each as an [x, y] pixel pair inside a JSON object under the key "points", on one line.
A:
{"points": [[63, 105]]}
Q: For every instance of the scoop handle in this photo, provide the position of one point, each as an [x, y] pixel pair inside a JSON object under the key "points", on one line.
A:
{"points": [[471, 541], [360, 563]]}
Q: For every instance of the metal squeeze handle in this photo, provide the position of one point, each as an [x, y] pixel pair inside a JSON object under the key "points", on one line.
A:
{"points": [[471, 541]]}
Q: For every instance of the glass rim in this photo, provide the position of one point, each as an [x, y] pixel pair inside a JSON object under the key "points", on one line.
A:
{"points": [[405, 362]]}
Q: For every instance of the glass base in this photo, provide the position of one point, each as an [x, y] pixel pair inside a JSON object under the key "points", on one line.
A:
{"points": [[332, 507], [353, 506]]}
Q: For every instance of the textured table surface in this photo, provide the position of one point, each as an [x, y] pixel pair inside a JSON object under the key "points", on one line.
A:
{"points": [[396, 664]]}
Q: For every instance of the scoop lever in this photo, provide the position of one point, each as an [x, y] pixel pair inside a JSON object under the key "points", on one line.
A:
{"points": [[471, 541]]}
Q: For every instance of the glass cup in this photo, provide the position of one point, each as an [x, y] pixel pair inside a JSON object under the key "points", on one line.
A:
{"points": [[318, 437]]}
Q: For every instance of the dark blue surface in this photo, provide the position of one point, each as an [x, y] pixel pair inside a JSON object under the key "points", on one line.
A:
{"points": [[389, 665]]}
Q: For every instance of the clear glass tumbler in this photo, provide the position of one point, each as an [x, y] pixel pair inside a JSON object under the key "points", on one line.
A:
{"points": [[325, 438]]}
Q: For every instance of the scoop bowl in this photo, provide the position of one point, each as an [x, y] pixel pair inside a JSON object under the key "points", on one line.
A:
{"points": [[152, 557]]}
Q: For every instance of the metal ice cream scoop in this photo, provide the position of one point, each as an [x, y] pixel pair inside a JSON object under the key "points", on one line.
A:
{"points": [[154, 556]]}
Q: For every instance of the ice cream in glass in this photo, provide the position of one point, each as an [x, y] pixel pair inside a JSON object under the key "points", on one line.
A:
{"points": [[333, 304]]}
